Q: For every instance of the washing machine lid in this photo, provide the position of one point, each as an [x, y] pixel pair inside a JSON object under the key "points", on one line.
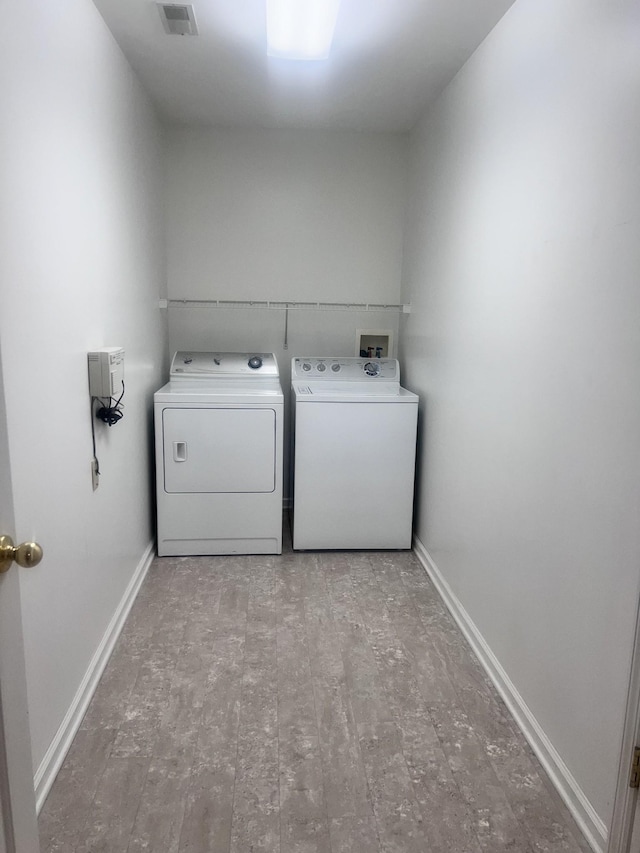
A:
{"points": [[223, 366], [316, 392]]}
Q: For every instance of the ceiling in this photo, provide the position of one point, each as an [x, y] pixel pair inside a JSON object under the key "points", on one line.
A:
{"points": [[389, 60]]}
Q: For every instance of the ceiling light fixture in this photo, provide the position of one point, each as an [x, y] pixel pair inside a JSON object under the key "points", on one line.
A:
{"points": [[301, 29]]}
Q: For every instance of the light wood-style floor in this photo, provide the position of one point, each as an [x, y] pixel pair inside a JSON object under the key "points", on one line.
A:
{"points": [[306, 703]]}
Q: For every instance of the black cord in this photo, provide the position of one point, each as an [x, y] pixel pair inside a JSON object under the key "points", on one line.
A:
{"points": [[121, 395], [111, 413]]}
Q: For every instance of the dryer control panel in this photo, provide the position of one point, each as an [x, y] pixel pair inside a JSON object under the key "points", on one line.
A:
{"points": [[223, 365], [346, 369]]}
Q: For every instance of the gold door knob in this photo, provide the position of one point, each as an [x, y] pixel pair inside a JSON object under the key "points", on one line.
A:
{"points": [[28, 554]]}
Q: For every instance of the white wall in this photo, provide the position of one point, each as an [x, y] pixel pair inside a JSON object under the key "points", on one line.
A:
{"points": [[283, 215], [82, 267], [521, 264]]}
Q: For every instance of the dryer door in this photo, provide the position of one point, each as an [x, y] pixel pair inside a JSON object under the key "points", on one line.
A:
{"points": [[219, 450]]}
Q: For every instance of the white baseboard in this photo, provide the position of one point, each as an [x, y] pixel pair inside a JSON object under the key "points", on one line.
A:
{"points": [[55, 755], [591, 825]]}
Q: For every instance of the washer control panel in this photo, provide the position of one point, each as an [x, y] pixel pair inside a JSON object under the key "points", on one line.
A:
{"points": [[346, 369]]}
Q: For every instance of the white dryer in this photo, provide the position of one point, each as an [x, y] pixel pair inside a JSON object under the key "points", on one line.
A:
{"points": [[354, 454], [218, 435]]}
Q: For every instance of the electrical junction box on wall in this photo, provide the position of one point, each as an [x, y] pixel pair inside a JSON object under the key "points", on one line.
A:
{"points": [[106, 372]]}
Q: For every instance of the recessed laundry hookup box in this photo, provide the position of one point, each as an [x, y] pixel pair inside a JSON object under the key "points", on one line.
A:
{"points": [[374, 343]]}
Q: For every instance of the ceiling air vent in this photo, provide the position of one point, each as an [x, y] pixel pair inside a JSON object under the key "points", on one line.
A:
{"points": [[178, 19]]}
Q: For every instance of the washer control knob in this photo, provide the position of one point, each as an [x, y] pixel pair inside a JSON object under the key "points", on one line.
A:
{"points": [[371, 368], [255, 362], [321, 367], [306, 367], [335, 368]]}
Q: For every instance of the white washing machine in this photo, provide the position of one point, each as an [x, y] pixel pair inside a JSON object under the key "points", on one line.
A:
{"points": [[218, 433], [354, 454]]}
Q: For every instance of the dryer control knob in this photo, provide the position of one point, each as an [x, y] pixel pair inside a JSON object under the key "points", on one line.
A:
{"points": [[255, 362]]}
